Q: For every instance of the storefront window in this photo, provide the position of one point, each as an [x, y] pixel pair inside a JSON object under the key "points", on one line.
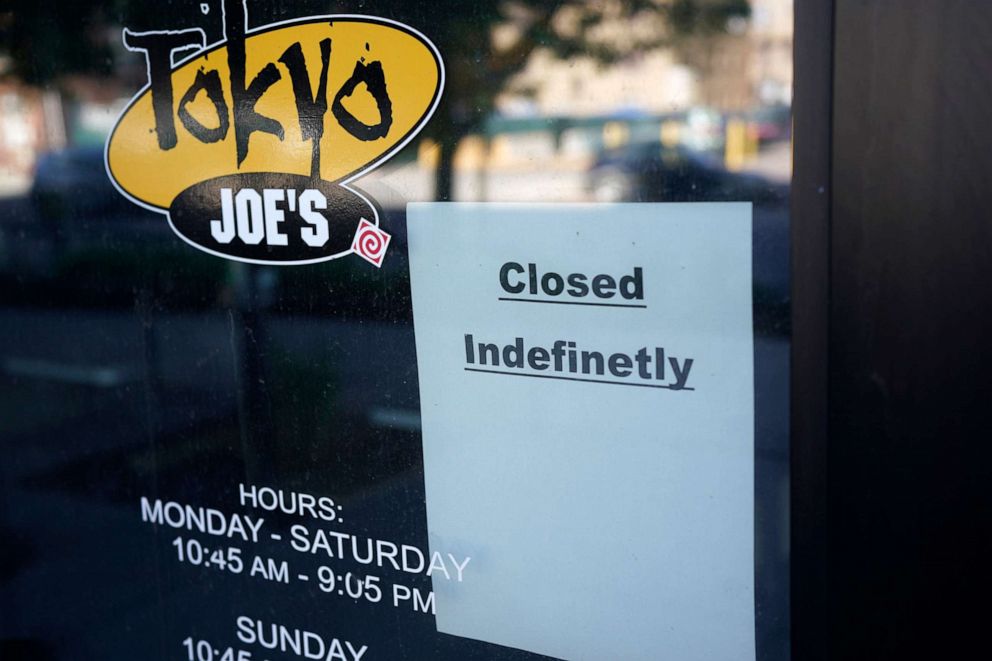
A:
{"points": [[357, 330]]}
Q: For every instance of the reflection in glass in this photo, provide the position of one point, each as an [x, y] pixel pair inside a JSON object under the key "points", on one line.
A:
{"points": [[133, 365]]}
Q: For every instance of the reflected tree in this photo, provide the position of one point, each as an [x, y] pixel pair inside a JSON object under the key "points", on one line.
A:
{"points": [[484, 42]]}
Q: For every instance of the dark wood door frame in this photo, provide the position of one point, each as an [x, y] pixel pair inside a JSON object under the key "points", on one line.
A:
{"points": [[892, 329], [810, 226]]}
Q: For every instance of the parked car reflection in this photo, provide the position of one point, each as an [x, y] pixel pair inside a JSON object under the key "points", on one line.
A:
{"points": [[74, 182], [654, 172]]}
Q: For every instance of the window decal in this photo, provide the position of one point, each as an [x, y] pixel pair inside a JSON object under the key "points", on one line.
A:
{"points": [[248, 145]]}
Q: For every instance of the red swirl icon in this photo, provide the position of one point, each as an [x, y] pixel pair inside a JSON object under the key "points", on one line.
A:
{"points": [[370, 243]]}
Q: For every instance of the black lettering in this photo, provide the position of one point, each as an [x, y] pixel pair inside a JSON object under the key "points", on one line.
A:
{"points": [[375, 82], [552, 284], [577, 285], [158, 48], [504, 277], [620, 364], [469, 350], [513, 354], [590, 357], [632, 286], [246, 119], [538, 358], [681, 372], [490, 350], [309, 108], [603, 286], [208, 82], [643, 360]]}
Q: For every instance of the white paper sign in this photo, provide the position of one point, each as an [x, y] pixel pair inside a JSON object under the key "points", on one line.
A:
{"points": [[587, 397]]}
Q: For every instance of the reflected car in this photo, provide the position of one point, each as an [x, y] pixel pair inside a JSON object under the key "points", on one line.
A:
{"points": [[653, 172], [704, 129], [72, 182], [771, 123]]}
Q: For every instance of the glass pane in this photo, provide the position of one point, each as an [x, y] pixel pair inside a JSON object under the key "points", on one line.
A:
{"points": [[237, 253]]}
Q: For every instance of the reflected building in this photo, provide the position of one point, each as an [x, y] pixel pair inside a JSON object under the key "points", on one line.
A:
{"points": [[749, 65], [30, 122]]}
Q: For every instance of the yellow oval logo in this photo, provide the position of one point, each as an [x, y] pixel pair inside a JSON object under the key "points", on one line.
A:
{"points": [[275, 58], [320, 99]]}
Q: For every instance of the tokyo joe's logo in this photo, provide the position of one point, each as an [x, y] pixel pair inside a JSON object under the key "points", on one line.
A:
{"points": [[248, 145]]}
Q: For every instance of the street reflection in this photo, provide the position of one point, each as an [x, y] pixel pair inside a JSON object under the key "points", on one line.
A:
{"points": [[132, 364]]}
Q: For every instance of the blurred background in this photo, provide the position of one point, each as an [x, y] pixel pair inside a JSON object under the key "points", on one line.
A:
{"points": [[546, 88], [132, 364]]}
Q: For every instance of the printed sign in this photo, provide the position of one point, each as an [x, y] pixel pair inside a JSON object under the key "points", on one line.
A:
{"points": [[248, 145], [587, 398]]}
